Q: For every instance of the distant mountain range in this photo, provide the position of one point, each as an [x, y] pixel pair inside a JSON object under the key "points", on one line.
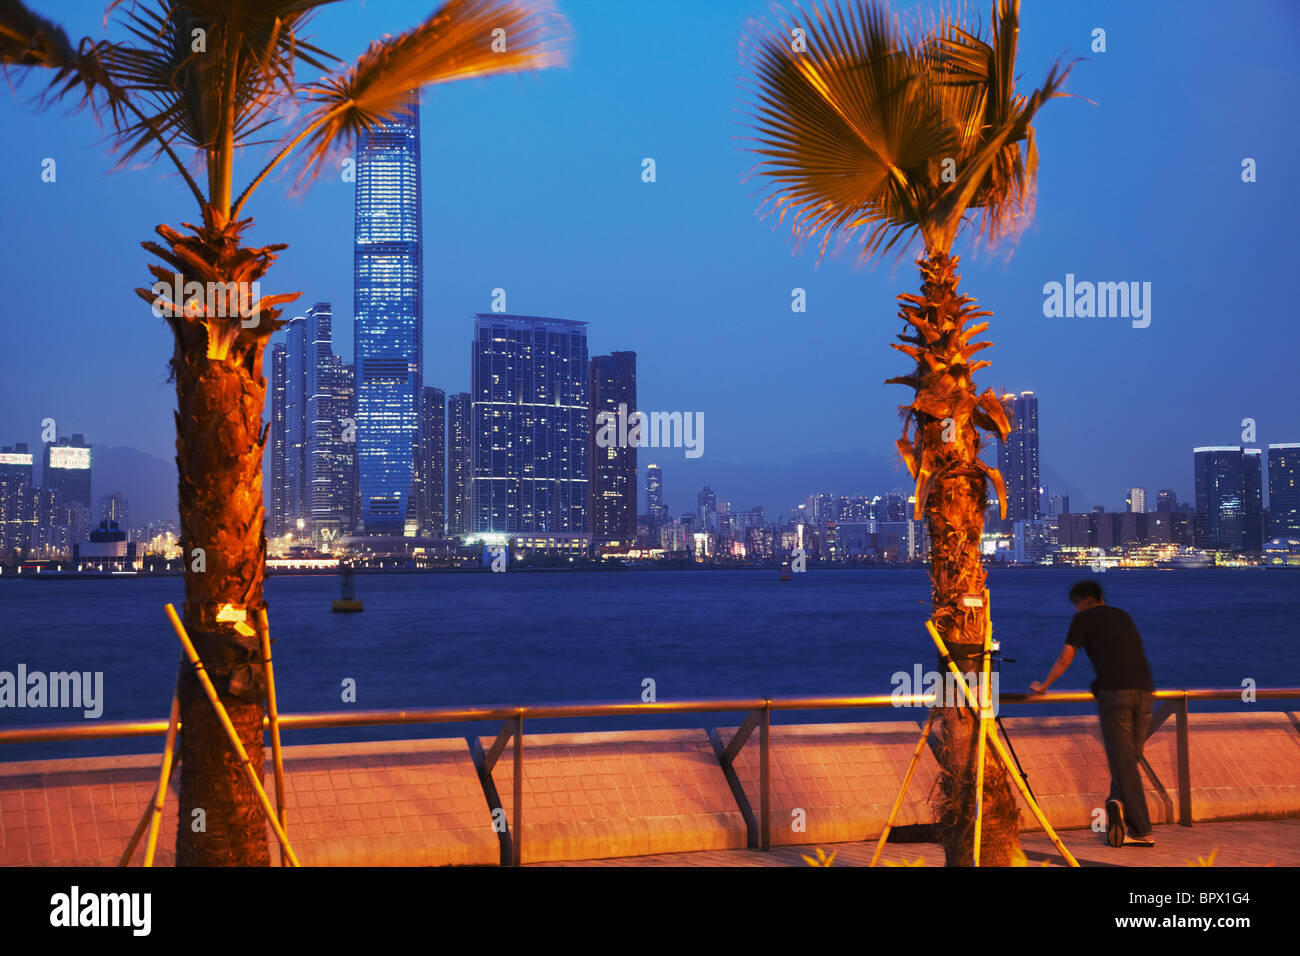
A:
{"points": [[149, 483]]}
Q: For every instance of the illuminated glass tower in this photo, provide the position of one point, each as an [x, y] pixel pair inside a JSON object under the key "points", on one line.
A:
{"points": [[1284, 489], [459, 464], [388, 331], [612, 470], [430, 471], [1018, 458], [1220, 505], [529, 421], [330, 442]]}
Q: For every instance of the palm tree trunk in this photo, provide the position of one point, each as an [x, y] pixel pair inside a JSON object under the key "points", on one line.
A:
{"points": [[952, 487], [219, 459], [220, 396]]}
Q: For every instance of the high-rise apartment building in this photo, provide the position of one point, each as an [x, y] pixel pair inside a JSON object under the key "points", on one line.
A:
{"points": [[388, 331], [1018, 457], [67, 470], [431, 458], [1135, 500], [611, 389], [330, 431], [1284, 490], [1219, 473], [530, 425], [654, 493], [460, 464], [297, 490], [277, 521], [1252, 500]]}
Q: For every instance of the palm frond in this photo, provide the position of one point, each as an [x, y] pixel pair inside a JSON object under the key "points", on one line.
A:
{"points": [[845, 125], [456, 42], [879, 130]]}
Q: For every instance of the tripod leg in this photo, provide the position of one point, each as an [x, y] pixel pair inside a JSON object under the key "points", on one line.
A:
{"points": [[907, 779], [997, 746]]}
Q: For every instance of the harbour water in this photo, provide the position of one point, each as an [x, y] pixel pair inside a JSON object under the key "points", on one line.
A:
{"points": [[442, 639]]}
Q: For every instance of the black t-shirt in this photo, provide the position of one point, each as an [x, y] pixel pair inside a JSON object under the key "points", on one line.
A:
{"points": [[1114, 646]]}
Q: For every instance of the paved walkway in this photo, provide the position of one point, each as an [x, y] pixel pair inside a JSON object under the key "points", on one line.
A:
{"points": [[1238, 843]]}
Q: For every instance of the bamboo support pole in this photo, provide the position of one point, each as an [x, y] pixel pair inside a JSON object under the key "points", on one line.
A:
{"points": [[273, 712], [985, 705], [1001, 750], [164, 777], [231, 733], [902, 791], [147, 815]]}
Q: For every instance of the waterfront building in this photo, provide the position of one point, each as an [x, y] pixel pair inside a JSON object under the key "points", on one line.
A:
{"points": [[431, 473], [1218, 472], [277, 518], [1284, 490], [388, 328], [529, 419], [1018, 457], [612, 504], [459, 464], [67, 470], [654, 492]]}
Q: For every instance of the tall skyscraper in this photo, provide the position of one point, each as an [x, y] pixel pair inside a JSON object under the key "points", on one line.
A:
{"points": [[431, 473], [1135, 500], [706, 503], [460, 464], [277, 523], [529, 419], [16, 464], [1166, 500], [67, 470], [1284, 490], [330, 436], [1220, 493], [1252, 500], [389, 320], [612, 470], [654, 493], [297, 500], [1018, 457]]}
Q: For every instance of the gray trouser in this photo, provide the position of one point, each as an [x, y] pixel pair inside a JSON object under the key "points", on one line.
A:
{"points": [[1125, 716]]}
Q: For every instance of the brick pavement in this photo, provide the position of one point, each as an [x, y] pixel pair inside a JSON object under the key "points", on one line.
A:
{"points": [[1233, 843]]}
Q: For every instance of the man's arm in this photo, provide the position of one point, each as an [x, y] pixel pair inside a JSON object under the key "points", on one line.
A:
{"points": [[1059, 668]]}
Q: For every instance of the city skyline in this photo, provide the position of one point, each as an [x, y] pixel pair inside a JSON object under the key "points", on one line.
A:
{"points": [[690, 361]]}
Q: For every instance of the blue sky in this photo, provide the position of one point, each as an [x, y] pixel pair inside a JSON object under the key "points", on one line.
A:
{"points": [[533, 184]]}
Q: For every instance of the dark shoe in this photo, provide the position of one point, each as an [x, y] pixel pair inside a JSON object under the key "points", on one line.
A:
{"points": [[1114, 823], [1147, 840]]}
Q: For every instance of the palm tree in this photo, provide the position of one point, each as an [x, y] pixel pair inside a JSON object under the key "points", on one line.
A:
{"points": [[196, 81], [872, 132]]}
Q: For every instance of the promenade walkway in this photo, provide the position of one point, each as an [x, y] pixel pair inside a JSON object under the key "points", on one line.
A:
{"points": [[1233, 843]]}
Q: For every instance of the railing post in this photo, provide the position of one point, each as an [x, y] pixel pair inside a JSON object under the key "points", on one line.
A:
{"points": [[1184, 764], [516, 843], [765, 776]]}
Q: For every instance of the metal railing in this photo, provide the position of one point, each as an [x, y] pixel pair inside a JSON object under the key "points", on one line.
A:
{"points": [[758, 711]]}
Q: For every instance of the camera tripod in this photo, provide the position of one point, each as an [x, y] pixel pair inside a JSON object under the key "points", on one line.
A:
{"points": [[987, 721]]}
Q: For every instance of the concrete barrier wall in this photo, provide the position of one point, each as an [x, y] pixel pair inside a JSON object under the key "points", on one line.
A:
{"points": [[586, 796]]}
